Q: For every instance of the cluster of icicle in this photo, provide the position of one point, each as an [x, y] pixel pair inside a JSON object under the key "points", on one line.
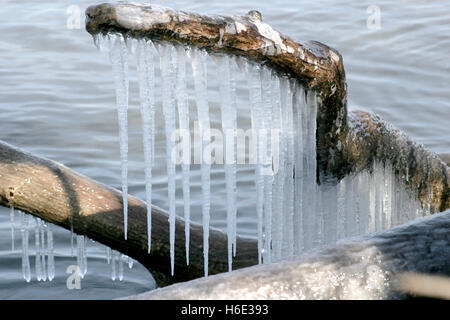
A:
{"points": [[293, 212], [44, 255], [44, 250]]}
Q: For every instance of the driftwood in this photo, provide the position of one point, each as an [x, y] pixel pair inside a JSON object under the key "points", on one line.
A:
{"points": [[61, 196], [360, 268]]}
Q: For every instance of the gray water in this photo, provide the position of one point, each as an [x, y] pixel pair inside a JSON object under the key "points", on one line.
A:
{"points": [[57, 101]]}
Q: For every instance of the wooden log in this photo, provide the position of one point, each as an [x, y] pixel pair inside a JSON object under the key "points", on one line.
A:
{"points": [[364, 267], [59, 195]]}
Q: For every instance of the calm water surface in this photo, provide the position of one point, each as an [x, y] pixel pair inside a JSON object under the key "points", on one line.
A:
{"points": [[57, 101]]}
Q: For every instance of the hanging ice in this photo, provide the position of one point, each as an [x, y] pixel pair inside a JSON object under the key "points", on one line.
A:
{"points": [[167, 65], [81, 255], [294, 213], [120, 267], [229, 126], [11, 214], [183, 116], [119, 61], [255, 94], [26, 273], [50, 254], [265, 136], [37, 243], [199, 70], [146, 93]]}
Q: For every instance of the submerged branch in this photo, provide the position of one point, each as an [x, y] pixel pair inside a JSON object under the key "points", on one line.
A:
{"points": [[61, 196]]}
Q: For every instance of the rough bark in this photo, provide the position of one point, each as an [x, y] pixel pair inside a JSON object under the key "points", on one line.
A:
{"points": [[61, 196], [313, 64], [361, 268]]}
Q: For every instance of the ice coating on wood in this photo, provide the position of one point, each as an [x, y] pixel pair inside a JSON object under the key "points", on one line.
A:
{"points": [[146, 92], [119, 61]]}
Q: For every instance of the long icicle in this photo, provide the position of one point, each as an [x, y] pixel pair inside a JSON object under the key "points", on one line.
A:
{"points": [[37, 243], [229, 124], [119, 61], [146, 92], [166, 52], [279, 172], [26, 273], [254, 84], [183, 116], [198, 63]]}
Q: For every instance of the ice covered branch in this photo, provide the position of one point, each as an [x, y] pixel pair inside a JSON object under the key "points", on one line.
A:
{"points": [[361, 268], [61, 196], [371, 138], [313, 64]]}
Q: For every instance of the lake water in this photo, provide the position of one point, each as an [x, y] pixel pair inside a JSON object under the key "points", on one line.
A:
{"points": [[57, 101]]}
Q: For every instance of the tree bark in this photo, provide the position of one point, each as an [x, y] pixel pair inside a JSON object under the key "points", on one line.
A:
{"points": [[61, 196]]}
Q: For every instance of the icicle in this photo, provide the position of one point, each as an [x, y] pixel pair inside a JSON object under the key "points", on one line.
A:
{"points": [[198, 64], [298, 113], [81, 255], [183, 116], [167, 64], [255, 96], [288, 185], [113, 265], [130, 263], [119, 61], [43, 228], [310, 217], [279, 123], [50, 254], [266, 158], [146, 93], [229, 124], [25, 257], [37, 244], [120, 267], [11, 215], [108, 255]]}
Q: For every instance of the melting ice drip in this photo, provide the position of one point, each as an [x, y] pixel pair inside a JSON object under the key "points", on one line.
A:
{"points": [[294, 213]]}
